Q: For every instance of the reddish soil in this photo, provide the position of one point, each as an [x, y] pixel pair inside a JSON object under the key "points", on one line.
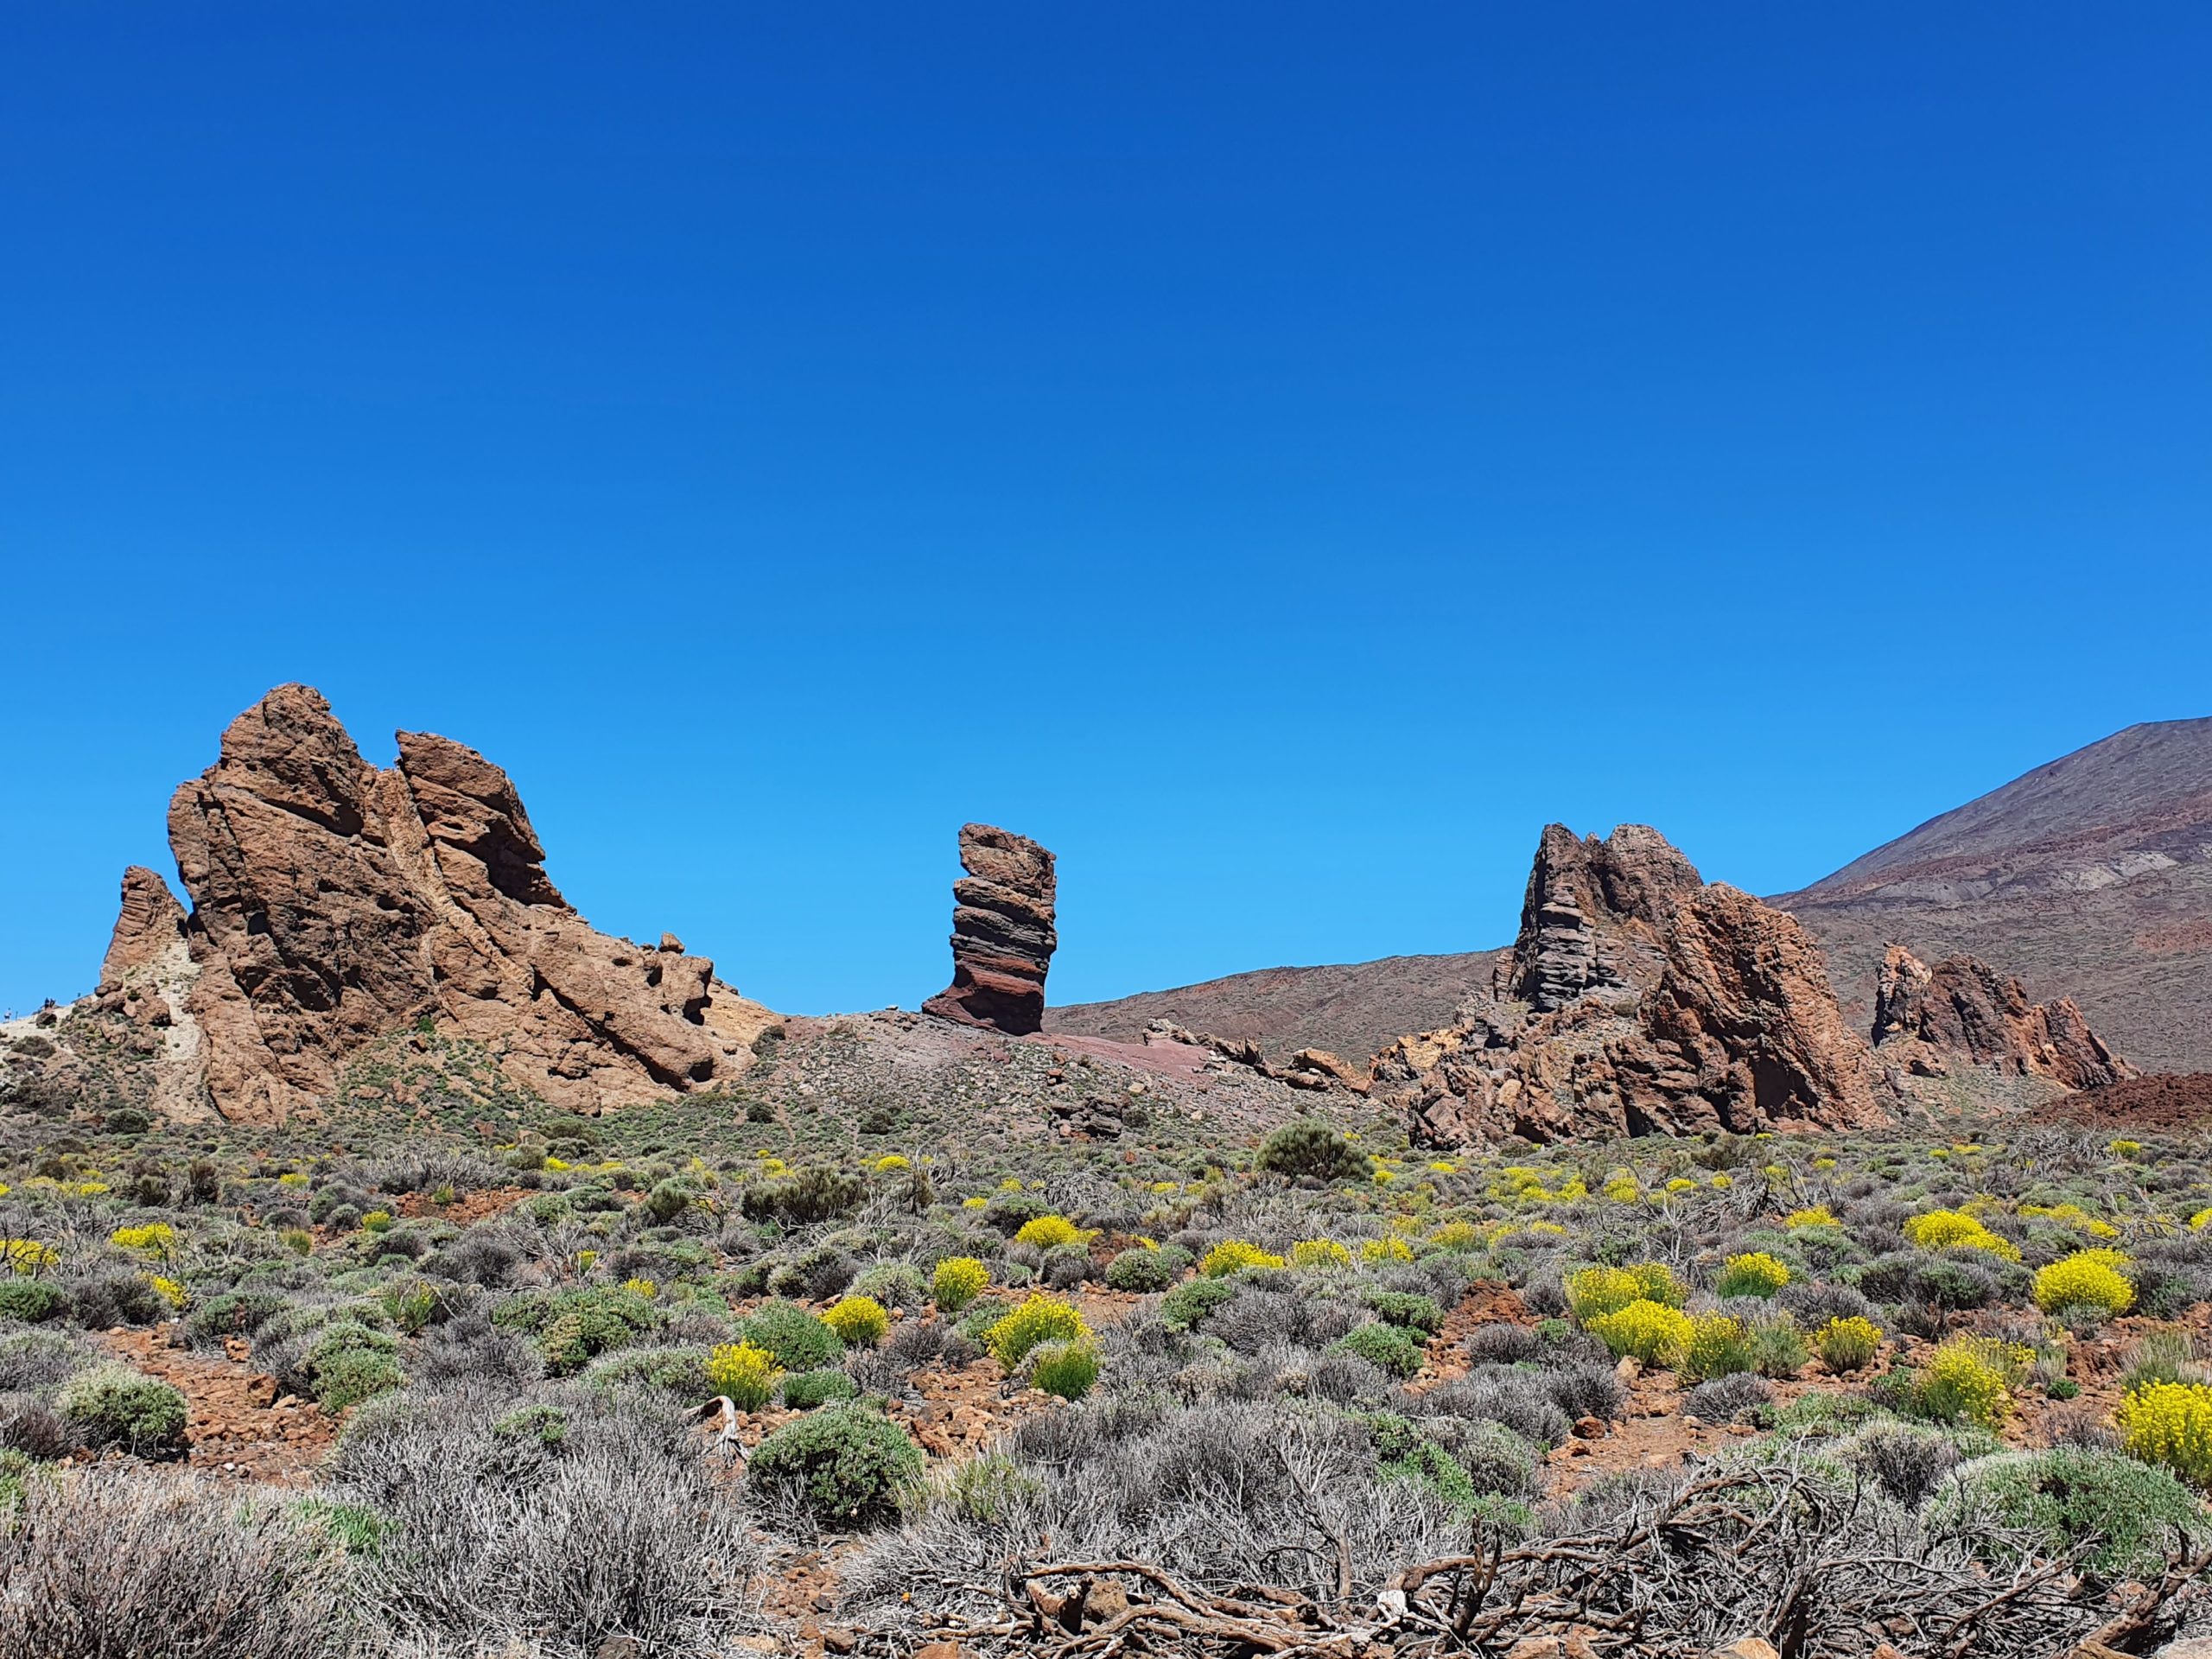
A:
{"points": [[2165, 1101], [464, 1210], [236, 1424]]}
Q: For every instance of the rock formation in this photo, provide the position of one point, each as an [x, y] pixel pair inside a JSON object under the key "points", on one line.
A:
{"points": [[1963, 1010], [334, 902], [1638, 999], [148, 928], [1002, 936]]}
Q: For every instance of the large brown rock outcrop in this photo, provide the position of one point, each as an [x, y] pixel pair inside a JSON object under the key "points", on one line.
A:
{"points": [[1963, 1011], [334, 902], [1002, 932], [1639, 1000]]}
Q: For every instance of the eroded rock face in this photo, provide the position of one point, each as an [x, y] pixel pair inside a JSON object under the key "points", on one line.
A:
{"points": [[1638, 999], [1002, 932], [1964, 1012], [333, 902], [148, 928]]}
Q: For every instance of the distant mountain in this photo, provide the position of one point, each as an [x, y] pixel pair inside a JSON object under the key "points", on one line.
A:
{"points": [[2090, 877], [1353, 1010]]}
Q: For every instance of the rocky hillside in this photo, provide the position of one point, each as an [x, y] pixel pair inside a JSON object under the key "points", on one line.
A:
{"points": [[2090, 877], [1354, 1010]]}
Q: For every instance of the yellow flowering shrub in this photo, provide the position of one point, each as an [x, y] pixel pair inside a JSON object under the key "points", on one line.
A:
{"points": [[2170, 1423], [1457, 1236], [1645, 1330], [1373, 1250], [1319, 1253], [1235, 1255], [746, 1374], [1717, 1346], [2092, 1281], [156, 1238], [1041, 1318], [890, 1161], [170, 1292], [1592, 1293], [1817, 1215], [860, 1320], [1622, 1189], [1847, 1345], [1752, 1274], [25, 1256], [1971, 1379], [644, 1288], [958, 1280], [1944, 1229], [1046, 1232]]}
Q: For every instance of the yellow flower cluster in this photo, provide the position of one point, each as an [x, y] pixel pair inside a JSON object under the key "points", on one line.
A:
{"points": [[1373, 1250], [1648, 1331], [1591, 1292], [1817, 1215], [2170, 1423], [1972, 1378], [1944, 1229], [1040, 1320], [2094, 1280], [746, 1374], [156, 1238], [1319, 1253], [1047, 1232], [1235, 1255]]}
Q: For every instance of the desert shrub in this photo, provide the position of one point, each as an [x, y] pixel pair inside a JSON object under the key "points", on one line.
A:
{"points": [[2068, 1494], [469, 1348], [1906, 1460], [1392, 1348], [1038, 1319], [1310, 1149], [575, 1326], [1064, 1266], [797, 1340], [1235, 1255], [815, 1193], [1502, 1343], [2171, 1424], [1066, 1368], [1185, 1306], [745, 1372], [113, 1405], [1324, 1253], [1408, 1308], [860, 1321], [1044, 1232], [29, 1428], [105, 1298], [181, 1568], [2167, 1356], [822, 1271], [1752, 1274], [844, 1465], [1725, 1399], [30, 1301], [156, 1239], [1847, 1345], [1718, 1346], [597, 1519], [2088, 1282], [1140, 1269], [1593, 1293], [892, 1284], [1644, 1329], [1954, 1229], [1777, 1347], [680, 1372], [958, 1280], [804, 1390]]}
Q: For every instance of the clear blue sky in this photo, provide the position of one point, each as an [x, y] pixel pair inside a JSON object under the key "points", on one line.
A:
{"points": [[1278, 455]]}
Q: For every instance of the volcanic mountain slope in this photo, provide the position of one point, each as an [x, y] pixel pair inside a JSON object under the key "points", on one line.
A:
{"points": [[2090, 877], [1354, 1010]]}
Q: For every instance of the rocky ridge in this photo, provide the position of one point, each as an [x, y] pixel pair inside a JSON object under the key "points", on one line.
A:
{"points": [[333, 902], [1639, 1000], [1963, 1011]]}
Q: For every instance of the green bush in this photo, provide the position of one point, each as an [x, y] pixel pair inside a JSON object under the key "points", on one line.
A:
{"points": [[1310, 1149], [845, 1465], [1409, 1309], [1396, 1349], [799, 1341], [30, 1301], [804, 1390], [113, 1405], [347, 1362], [2068, 1494], [893, 1284], [1140, 1269], [575, 1326], [1185, 1307], [681, 1372], [1066, 1368], [817, 1193]]}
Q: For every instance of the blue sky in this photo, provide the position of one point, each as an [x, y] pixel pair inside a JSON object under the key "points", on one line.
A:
{"points": [[1278, 455]]}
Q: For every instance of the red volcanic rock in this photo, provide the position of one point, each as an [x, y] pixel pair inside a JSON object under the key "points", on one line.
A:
{"points": [[1639, 1000], [147, 928], [1002, 932], [1963, 1010], [333, 902]]}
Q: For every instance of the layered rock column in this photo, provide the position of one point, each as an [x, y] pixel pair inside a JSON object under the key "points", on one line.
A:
{"points": [[1002, 932]]}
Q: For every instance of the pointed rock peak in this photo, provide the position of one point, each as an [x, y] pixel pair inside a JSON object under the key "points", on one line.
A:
{"points": [[469, 805], [149, 922], [289, 750], [1002, 933]]}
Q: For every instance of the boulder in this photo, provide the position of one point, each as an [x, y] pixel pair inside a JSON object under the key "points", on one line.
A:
{"points": [[1002, 932]]}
